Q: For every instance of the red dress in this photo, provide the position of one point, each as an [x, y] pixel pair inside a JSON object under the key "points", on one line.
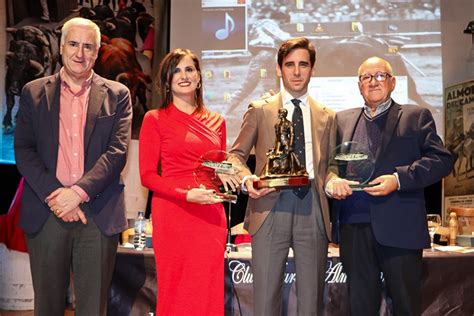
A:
{"points": [[188, 238]]}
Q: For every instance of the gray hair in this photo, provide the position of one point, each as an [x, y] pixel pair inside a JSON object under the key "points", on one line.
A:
{"points": [[80, 22]]}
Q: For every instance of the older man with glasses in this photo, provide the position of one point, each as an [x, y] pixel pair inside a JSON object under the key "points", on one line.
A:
{"points": [[382, 228]]}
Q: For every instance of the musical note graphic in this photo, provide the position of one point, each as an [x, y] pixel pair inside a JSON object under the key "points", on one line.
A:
{"points": [[222, 34]]}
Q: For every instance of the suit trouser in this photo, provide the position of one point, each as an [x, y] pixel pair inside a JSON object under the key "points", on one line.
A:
{"points": [[55, 251], [298, 224], [364, 259]]}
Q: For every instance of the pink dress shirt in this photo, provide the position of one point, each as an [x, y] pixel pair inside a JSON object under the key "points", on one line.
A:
{"points": [[72, 120]]}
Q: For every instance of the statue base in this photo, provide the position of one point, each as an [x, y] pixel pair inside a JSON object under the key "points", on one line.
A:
{"points": [[285, 182]]}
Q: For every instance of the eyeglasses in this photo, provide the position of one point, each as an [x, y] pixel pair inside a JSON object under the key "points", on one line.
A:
{"points": [[379, 76]]}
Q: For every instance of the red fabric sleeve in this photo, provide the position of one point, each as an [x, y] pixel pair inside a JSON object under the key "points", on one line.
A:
{"points": [[149, 158], [10, 232]]}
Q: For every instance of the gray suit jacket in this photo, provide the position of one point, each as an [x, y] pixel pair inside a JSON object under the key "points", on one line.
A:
{"points": [[106, 137], [258, 131]]}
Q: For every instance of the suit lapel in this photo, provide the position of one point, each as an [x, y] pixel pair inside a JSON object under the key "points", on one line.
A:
{"points": [[270, 113], [96, 99], [319, 119], [351, 123], [52, 94], [266, 137], [394, 114]]}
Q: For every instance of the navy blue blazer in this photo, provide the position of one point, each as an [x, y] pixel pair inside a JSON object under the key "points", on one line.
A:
{"points": [[106, 138], [412, 148]]}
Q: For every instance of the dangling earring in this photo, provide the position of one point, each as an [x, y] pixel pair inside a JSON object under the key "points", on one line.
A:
{"points": [[167, 88], [198, 85]]}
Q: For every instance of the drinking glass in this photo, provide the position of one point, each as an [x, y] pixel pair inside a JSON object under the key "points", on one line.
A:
{"points": [[434, 221]]}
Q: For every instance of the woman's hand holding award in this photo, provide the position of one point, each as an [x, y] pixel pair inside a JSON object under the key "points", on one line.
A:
{"points": [[215, 172], [354, 162]]}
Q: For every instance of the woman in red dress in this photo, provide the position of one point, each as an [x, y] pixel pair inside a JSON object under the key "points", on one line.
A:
{"points": [[189, 224]]}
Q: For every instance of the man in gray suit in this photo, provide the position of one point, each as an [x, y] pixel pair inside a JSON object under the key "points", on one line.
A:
{"points": [[71, 140], [278, 220]]}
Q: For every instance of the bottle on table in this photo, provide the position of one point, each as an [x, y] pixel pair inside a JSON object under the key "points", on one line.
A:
{"points": [[139, 239], [453, 228]]}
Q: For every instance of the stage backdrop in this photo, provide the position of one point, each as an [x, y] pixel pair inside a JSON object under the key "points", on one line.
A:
{"points": [[458, 74], [459, 106], [125, 55], [238, 41]]}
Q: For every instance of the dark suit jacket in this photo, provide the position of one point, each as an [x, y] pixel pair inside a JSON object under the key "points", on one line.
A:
{"points": [[412, 148], [106, 138], [258, 131]]}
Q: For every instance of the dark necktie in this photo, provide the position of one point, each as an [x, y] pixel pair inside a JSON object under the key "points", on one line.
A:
{"points": [[299, 143]]}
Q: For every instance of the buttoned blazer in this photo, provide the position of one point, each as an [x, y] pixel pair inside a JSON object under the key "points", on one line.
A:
{"points": [[258, 133], [412, 148], [106, 138]]}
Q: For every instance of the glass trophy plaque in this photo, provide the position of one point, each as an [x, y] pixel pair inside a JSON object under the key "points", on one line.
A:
{"points": [[355, 162], [212, 171]]}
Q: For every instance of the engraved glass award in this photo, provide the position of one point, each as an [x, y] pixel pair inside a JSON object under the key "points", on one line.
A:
{"points": [[355, 162], [212, 172]]}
